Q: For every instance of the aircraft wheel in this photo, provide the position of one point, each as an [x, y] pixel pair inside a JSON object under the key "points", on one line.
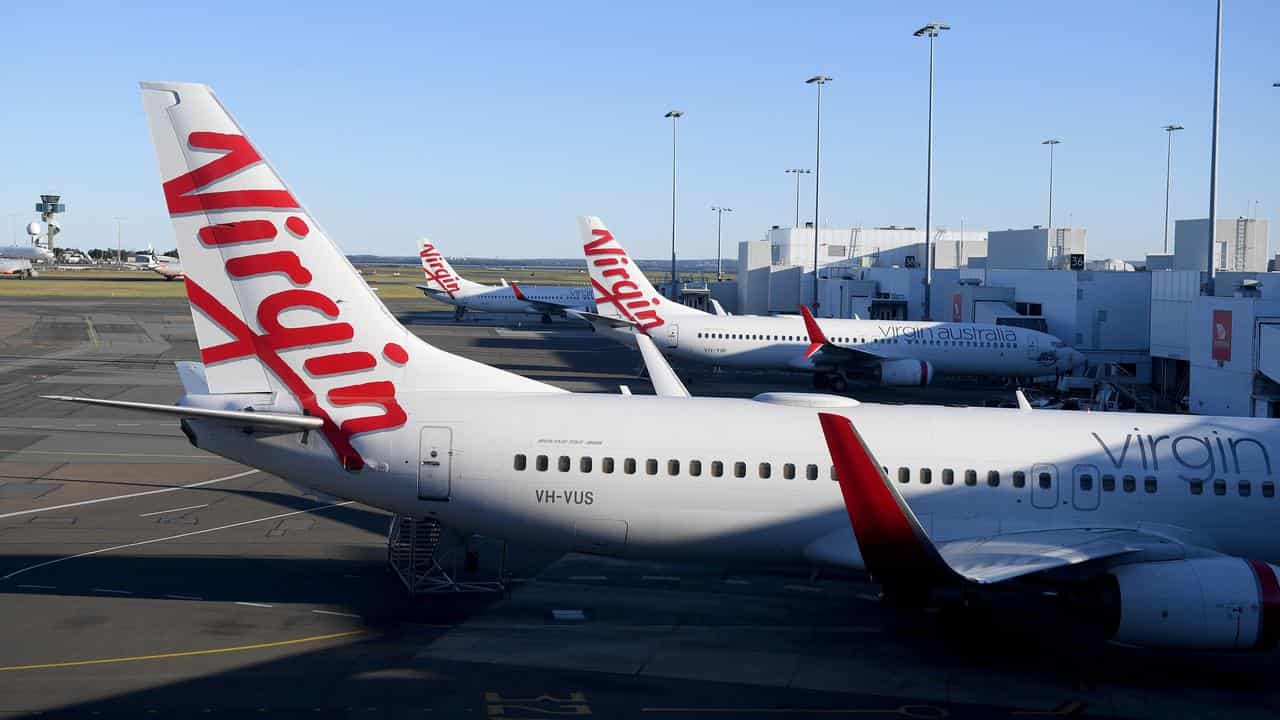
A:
{"points": [[838, 383], [458, 313], [546, 319]]}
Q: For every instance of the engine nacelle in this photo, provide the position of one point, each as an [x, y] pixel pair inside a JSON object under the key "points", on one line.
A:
{"points": [[1213, 603], [905, 372]]}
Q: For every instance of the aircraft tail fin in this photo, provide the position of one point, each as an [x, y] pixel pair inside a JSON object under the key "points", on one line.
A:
{"points": [[277, 306], [621, 290], [439, 273]]}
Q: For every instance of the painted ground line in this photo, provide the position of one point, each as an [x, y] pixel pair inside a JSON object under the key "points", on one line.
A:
{"points": [[184, 597], [332, 612], [175, 488], [113, 592], [254, 604], [162, 512]]}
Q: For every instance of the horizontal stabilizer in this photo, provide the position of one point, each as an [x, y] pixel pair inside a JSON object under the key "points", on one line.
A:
{"points": [[601, 321], [282, 421]]}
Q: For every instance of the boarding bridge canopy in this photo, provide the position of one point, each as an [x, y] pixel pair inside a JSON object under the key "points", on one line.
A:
{"points": [[1269, 351]]}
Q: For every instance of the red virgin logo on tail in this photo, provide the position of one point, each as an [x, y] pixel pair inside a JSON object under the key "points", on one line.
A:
{"points": [[623, 293], [435, 268], [275, 336]]}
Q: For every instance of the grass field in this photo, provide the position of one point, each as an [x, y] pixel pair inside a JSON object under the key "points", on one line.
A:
{"points": [[391, 282]]}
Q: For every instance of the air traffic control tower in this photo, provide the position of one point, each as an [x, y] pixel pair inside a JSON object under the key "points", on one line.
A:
{"points": [[48, 207]]}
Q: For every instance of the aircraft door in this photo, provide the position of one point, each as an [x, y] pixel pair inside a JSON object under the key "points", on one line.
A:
{"points": [[1044, 486], [672, 336], [1033, 351], [435, 463], [1086, 492]]}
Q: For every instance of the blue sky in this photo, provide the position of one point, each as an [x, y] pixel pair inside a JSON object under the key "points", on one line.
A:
{"points": [[489, 127]]}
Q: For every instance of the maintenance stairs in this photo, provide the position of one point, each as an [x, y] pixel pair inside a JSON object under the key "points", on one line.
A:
{"points": [[427, 565]]}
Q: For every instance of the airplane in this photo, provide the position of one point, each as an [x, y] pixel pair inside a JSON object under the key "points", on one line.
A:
{"points": [[891, 352], [1157, 527], [447, 286], [18, 260], [169, 267]]}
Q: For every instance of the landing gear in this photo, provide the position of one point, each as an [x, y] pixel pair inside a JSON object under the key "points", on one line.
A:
{"points": [[546, 319], [429, 558], [459, 313], [839, 384]]}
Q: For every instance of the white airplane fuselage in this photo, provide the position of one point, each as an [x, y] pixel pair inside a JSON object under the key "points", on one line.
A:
{"points": [[503, 299], [1153, 462], [780, 342]]}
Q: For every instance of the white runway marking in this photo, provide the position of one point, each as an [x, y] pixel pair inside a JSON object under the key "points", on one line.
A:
{"points": [[113, 592], [127, 496], [128, 424], [140, 543], [802, 588], [162, 512], [184, 597], [39, 587], [587, 577], [253, 604], [660, 578], [330, 612]]}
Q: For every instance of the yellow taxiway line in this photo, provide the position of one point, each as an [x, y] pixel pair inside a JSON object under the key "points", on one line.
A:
{"points": [[188, 653]]}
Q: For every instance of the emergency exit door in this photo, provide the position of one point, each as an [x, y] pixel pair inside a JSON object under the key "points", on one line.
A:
{"points": [[435, 463]]}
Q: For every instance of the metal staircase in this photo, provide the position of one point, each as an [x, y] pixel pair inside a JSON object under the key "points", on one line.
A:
{"points": [[1241, 246], [416, 552]]}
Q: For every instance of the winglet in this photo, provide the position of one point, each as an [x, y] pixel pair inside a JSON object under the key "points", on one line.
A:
{"points": [[894, 546], [816, 337], [515, 288]]}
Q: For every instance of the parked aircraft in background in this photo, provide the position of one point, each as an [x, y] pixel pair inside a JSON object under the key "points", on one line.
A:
{"points": [[167, 266], [447, 286], [1158, 528], [19, 259], [892, 352]]}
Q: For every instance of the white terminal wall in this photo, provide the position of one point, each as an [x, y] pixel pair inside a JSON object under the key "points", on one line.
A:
{"points": [[865, 247], [1035, 248], [1191, 244]]}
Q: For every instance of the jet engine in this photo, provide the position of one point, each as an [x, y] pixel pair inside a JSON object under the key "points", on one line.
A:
{"points": [[1212, 603], [905, 372]]}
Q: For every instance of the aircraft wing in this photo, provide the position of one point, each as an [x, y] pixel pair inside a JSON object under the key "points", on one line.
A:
{"points": [[542, 306], [822, 351], [896, 549]]}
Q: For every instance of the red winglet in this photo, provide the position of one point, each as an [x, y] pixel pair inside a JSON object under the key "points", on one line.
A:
{"points": [[516, 289], [816, 337], [894, 547]]}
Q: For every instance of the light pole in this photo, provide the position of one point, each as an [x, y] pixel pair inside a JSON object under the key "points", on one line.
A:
{"points": [[798, 172], [675, 115], [1213, 150], [119, 250], [930, 31], [720, 211], [1051, 142], [1168, 175], [818, 80]]}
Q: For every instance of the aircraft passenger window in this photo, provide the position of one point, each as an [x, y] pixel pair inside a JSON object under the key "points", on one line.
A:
{"points": [[904, 475], [789, 471], [1019, 479], [563, 463], [1246, 488], [717, 468], [765, 471], [1045, 480], [1109, 483], [948, 476], [1086, 482], [584, 464], [606, 465], [970, 477], [1149, 484], [993, 478], [1268, 488], [651, 467], [541, 463], [1219, 487], [629, 466], [926, 476], [1197, 487], [1130, 483], [811, 472], [739, 469], [695, 467], [673, 467], [521, 462]]}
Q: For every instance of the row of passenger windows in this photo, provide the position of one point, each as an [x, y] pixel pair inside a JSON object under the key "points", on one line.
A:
{"points": [[924, 476], [852, 340], [695, 468]]}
